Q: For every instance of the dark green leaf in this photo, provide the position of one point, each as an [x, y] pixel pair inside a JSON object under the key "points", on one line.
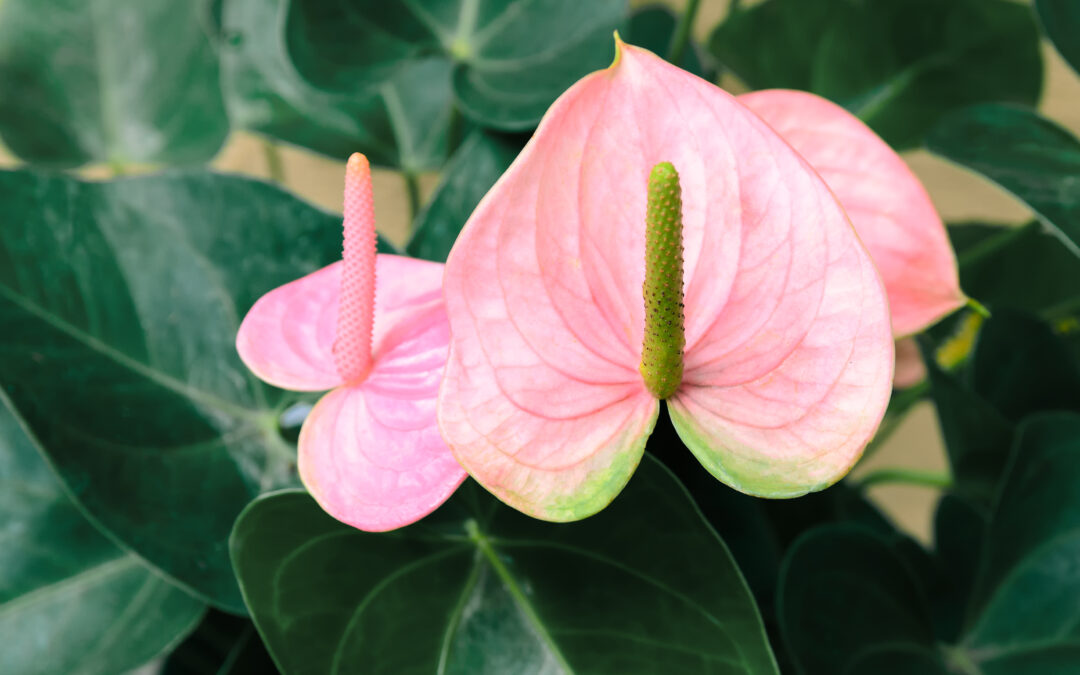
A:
{"points": [[845, 593], [469, 174], [1026, 154], [108, 81], [222, 645], [510, 58], [402, 123], [1018, 268], [71, 601], [978, 438], [897, 64], [905, 660], [653, 28], [643, 587], [1060, 21], [1020, 367], [958, 540], [120, 303], [1028, 592]]}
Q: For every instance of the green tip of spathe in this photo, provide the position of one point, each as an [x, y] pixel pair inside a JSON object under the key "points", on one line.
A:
{"points": [[662, 347]]}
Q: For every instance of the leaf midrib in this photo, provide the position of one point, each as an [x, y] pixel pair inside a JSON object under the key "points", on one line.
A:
{"points": [[156, 376]]}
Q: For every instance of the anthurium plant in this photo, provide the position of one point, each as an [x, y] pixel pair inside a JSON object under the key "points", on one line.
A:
{"points": [[606, 407]]}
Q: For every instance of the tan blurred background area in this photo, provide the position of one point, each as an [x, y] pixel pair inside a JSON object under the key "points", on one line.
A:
{"points": [[958, 195]]}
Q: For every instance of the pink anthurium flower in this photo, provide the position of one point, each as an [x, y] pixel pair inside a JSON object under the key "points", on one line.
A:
{"points": [[889, 207], [373, 328], [657, 240]]}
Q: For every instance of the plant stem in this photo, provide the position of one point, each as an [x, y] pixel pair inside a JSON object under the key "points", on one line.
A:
{"points": [[930, 479], [412, 187], [978, 308], [682, 32], [274, 164]]}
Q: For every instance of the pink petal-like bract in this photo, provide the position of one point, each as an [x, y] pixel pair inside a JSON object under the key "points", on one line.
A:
{"points": [[887, 204], [370, 451], [789, 353]]}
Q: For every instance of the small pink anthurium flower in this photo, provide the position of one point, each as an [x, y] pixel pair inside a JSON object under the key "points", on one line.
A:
{"points": [[373, 328], [889, 207], [656, 240]]}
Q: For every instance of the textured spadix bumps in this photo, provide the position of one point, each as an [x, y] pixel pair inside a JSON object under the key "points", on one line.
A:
{"points": [[373, 328], [788, 349]]}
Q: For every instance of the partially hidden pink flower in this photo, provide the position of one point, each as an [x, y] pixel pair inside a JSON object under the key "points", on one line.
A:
{"points": [[889, 207], [372, 328], [788, 355]]}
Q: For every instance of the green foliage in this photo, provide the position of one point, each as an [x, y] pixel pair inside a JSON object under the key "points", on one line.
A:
{"points": [[1060, 21], [120, 303], [506, 60], [1028, 155], [467, 177], [71, 601], [403, 123], [897, 64], [643, 587], [99, 82], [1023, 268]]}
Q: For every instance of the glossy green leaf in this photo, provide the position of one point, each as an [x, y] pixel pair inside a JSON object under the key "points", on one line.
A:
{"points": [[510, 58], [401, 123], [120, 303], [1020, 367], [467, 177], [844, 593], [222, 645], [643, 587], [1028, 155], [1060, 21], [71, 601], [108, 81], [897, 64], [1028, 592], [1022, 268], [653, 27]]}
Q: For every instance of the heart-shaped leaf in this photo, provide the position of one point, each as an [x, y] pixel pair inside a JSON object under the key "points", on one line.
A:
{"points": [[401, 123], [1028, 155], [644, 587], [847, 599], [1060, 21], [71, 601], [100, 82], [1026, 607], [120, 304], [467, 177], [897, 64], [510, 58], [844, 592]]}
